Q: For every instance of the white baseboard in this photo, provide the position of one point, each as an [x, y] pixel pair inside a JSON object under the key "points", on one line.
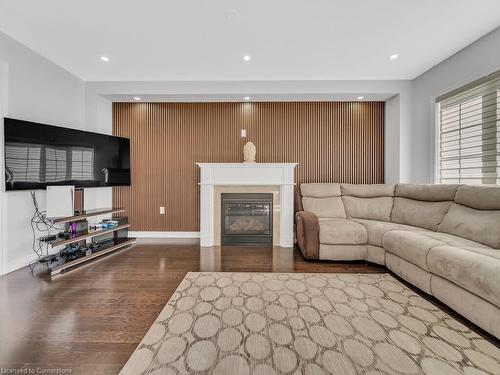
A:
{"points": [[17, 264], [151, 234]]}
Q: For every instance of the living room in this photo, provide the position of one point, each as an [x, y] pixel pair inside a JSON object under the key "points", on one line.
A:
{"points": [[250, 188]]}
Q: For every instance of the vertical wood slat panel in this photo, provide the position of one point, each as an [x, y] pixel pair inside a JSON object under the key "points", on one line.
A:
{"points": [[331, 141]]}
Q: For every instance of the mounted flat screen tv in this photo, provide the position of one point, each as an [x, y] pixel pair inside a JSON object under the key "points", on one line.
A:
{"points": [[38, 155]]}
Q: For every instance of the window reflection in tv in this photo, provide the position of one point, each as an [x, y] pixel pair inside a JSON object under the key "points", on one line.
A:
{"points": [[37, 155]]}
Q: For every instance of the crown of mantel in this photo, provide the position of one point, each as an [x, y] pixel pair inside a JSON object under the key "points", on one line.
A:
{"points": [[247, 165]]}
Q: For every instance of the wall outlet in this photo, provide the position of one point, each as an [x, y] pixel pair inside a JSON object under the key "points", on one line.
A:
{"points": [[243, 133], [162, 210]]}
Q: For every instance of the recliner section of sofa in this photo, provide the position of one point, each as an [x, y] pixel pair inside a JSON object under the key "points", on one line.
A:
{"points": [[440, 238]]}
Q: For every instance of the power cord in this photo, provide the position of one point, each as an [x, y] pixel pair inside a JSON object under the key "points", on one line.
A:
{"points": [[40, 224]]}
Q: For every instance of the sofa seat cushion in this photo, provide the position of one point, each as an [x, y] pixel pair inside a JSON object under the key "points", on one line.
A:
{"points": [[376, 229], [474, 269], [342, 252], [341, 232], [457, 241], [410, 246]]}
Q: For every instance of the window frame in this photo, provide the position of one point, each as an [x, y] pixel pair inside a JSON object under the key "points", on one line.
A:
{"points": [[492, 78]]}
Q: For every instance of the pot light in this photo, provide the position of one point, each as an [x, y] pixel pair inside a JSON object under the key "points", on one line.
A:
{"points": [[247, 58], [137, 98], [104, 58], [361, 97], [394, 57], [246, 98]]}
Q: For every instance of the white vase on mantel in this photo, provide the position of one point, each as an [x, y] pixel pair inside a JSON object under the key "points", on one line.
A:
{"points": [[249, 151]]}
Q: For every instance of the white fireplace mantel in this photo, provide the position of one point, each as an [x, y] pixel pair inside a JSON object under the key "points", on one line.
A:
{"points": [[247, 174]]}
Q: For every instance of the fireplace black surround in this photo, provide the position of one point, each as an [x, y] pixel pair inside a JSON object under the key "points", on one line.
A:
{"points": [[247, 218]]}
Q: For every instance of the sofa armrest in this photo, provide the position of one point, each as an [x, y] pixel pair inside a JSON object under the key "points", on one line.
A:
{"points": [[308, 234]]}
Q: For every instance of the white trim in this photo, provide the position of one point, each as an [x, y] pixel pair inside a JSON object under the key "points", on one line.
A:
{"points": [[437, 143], [238, 182], [3, 215], [19, 263], [166, 234], [248, 165]]}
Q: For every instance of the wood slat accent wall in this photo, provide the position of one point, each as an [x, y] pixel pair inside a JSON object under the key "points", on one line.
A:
{"points": [[331, 141]]}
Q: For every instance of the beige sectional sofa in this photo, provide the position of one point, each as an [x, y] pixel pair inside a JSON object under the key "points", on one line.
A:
{"points": [[444, 239]]}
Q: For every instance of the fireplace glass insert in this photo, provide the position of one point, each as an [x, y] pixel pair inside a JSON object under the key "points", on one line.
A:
{"points": [[247, 219]]}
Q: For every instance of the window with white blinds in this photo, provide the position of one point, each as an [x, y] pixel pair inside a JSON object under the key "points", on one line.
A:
{"points": [[469, 133]]}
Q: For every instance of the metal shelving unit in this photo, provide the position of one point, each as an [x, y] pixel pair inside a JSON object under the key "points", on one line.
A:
{"points": [[99, 245]]}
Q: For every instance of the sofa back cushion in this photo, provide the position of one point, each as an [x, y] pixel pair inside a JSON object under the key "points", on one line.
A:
{"points": [[485, 197], [368, 190], [368, 201], [322, 199], [427, 193], [475, 215], [420, 214], [482, 226], [422, 206]]}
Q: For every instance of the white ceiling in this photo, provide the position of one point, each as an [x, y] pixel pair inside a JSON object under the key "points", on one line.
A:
{"points": [[200, 40]]}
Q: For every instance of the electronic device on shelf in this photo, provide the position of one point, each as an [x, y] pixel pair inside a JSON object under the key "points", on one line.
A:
{"points": [[51, 258], [104, 224], [48, 239], [78, 226], [71, 252]]}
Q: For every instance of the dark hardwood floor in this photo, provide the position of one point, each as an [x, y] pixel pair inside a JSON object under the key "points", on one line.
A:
{"points": [[91, 319]]}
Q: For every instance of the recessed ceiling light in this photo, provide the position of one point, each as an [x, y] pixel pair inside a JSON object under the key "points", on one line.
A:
{"points": [[104, 58], [231, 14], [394, 57], [247, 58], [361, 97], [246, 98], [137, 98]]}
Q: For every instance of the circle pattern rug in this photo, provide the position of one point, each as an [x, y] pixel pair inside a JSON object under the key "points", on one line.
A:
{"points": [[271, 323]]}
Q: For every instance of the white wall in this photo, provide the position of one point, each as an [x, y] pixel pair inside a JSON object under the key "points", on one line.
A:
{"points": [[34, 89], [473, 62], [391, 139]]}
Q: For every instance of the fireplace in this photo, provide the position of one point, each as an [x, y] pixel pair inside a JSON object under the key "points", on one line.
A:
{"points": [[246, 218]]}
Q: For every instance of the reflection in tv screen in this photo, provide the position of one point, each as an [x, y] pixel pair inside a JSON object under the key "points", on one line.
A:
{"points": [[37, 155]]}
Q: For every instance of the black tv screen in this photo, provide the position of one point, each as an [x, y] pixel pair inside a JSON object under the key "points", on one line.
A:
{"points": [[38, 155]]}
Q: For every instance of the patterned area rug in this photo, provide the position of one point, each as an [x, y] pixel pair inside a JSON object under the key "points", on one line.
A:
{"points": [[269, 323]]}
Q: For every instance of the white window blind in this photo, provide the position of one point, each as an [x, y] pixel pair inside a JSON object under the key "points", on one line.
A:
{"points": [[469, 133]]}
